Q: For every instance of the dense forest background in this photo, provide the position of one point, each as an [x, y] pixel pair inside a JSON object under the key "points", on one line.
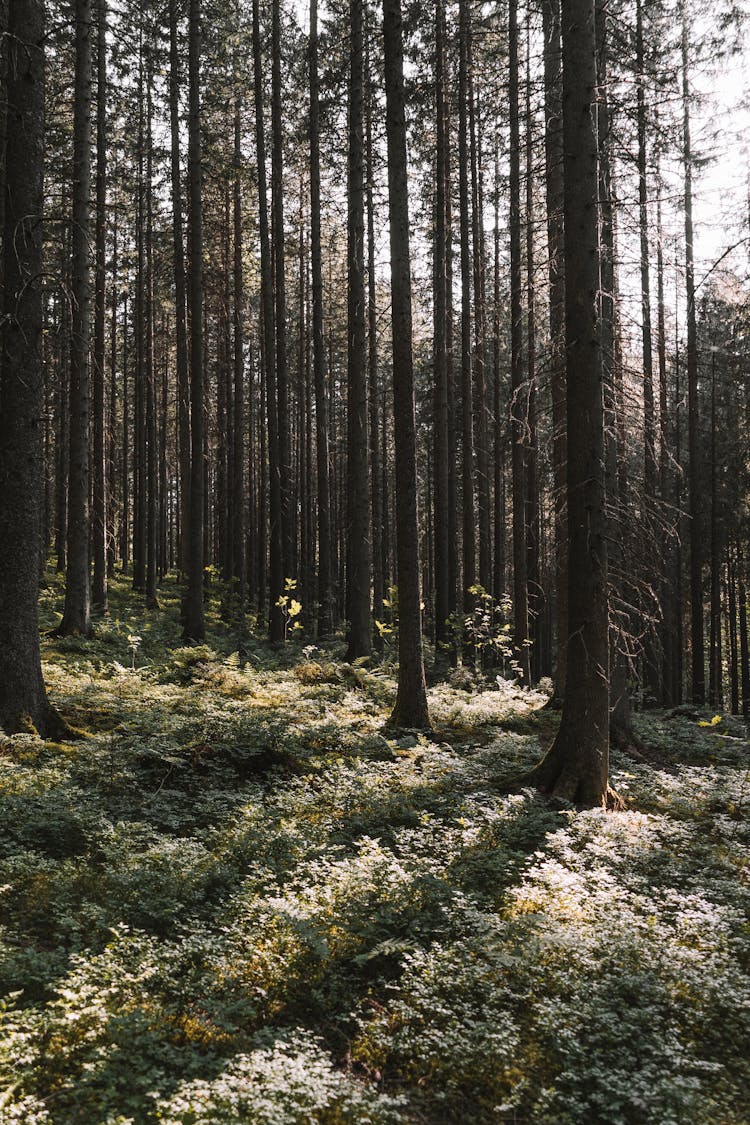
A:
{"points": [[374, 455]]}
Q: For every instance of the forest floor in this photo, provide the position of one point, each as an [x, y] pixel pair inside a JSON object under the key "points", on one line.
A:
{"points": [[234, 900]]}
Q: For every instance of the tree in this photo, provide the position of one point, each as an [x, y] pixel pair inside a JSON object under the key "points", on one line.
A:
{"points": [[194, 627], [23, 698], [410, 709], [577, 765], [358, 498], [325, 592], [77, 611], [99, 510]]}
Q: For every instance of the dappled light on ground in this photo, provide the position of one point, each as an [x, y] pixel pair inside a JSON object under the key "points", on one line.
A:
{"points": [[236, 900]]}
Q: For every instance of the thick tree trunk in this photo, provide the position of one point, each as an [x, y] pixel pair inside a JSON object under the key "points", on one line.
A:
{"points": [[410, 709], [77, 611], [23, 699], [577, 765]]}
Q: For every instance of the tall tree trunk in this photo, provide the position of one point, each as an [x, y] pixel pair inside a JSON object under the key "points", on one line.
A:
{"points": [[77, 611], [152, 480], [180, 286], [467, 429], [481, 438], [439, 346], [194, 627], [555, 242], [99, 522], [531, 519], [519, 392], [410, 709], [694, 459], [322, 452], [577, 765], [358, 498], [23, 698], [276, 553], [376, 496], [277, 199], [239, 500]]}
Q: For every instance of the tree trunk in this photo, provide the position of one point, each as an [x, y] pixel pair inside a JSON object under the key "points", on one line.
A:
{"points": [[322, 452], [194, 627], [77, 611], [577, 765], [410, 709], [519, 392], [359, 641], [555, 242], [99, 513], [694, 459], [23, 698], [440, 359], [467, 430], [178, 248], [239, 500]]}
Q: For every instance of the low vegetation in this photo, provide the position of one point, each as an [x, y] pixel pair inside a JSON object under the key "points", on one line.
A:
{"points": [[233, 899]]}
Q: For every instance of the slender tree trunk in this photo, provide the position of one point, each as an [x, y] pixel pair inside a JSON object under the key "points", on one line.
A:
{"points": [[322, 451], [77, 611], [358, 498], [152, 477], [694, 459], [378, 585], [519, 392], [239, 559], [481, 438], [410, 709], [531, 520], [276, 554], [23, 698], [555, 243], [99, 513], [440, 359], [193, 622], [467, 443], [277, 194], [180, 285]]}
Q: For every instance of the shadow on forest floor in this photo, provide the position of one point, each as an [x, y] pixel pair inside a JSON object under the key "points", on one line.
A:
{"points": [[236, 901]]}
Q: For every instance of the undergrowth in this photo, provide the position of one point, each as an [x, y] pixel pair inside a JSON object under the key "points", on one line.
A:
{"points": [[235, 901]]}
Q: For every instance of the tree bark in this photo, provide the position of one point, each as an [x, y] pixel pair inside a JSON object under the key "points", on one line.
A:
{"points": [[410, 709], [519, 391], [23, 698], [99, 513], [77, 610], [577, 765], [694, 458], [359, 641], [194, 627]]}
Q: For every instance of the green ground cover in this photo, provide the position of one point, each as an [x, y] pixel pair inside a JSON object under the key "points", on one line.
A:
{"points": [[234, 901]]}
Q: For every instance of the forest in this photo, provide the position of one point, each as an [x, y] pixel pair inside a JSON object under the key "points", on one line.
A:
{"points": [[374, 556]]}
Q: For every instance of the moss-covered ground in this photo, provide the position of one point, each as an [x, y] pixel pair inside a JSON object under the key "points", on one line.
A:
{"points": [[233, 900]]}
